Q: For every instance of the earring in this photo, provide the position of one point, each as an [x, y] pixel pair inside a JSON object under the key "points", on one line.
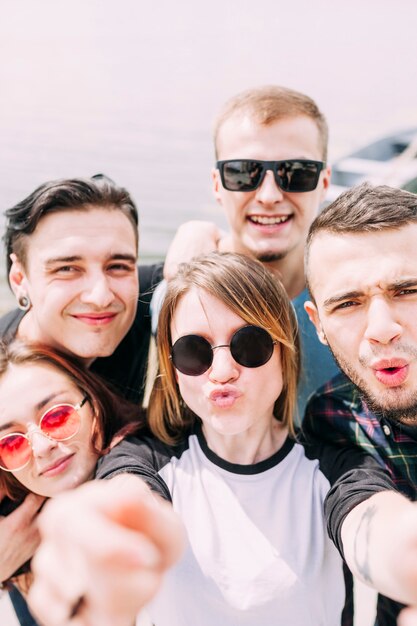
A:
{"points": [[24, 303], [322, 336]]}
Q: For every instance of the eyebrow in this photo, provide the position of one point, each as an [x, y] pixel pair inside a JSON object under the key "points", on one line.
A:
{"points": [[394, 286], [403, 284], [38, 407], [71, 259], [344, 296]]}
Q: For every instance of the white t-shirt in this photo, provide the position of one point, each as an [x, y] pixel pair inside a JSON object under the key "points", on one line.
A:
{"points": [[258, 553]]}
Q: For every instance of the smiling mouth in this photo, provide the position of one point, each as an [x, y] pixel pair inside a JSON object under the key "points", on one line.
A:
{"points": [[57, 467], [269, 221], [92, 319]]}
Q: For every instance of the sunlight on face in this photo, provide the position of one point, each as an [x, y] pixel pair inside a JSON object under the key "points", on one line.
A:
{"points": [[81, 276], [269, 223], [26, 392], [367, 308], [231, 400]]}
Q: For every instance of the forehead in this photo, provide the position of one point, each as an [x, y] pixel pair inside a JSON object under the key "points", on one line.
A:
{"points": [[22, 387], [200, 312], [361, 261], [294, 137], [79, 232]]}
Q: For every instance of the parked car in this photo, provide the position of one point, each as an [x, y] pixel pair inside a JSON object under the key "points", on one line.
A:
{"points": [[391, 160]]}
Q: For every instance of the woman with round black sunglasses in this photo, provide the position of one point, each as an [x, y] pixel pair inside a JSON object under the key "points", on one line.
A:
{"points": [[225, 454]]}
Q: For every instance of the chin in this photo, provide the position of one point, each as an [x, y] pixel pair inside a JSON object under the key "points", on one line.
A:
{"points": [[92, 352]]}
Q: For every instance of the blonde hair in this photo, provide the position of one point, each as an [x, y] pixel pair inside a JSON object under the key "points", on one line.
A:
{"points": [[269, 104], [246, 287]]}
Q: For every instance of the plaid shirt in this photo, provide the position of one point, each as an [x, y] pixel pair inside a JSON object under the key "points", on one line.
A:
{"points": [[336, 414]]}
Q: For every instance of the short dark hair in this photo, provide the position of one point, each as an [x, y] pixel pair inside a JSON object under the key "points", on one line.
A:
{"points": [[364, 208], [269, 104], [63, 195]]}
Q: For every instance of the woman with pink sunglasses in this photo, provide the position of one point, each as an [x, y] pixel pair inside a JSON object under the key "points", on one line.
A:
{"points": [[56, 420]]}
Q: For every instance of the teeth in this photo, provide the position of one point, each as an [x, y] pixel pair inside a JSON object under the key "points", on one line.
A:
{"points": [[268, 221]]}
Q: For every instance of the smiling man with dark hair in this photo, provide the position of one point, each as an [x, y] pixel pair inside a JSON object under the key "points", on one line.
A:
{"points": [[72, 249]]}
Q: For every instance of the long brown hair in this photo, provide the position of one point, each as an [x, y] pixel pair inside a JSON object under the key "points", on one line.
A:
{"points": [[246, 287], [114, 416]]}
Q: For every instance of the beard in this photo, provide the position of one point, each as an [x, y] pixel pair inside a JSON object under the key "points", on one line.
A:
{"points": [[406, 415], [270, 257], [387, 404]]}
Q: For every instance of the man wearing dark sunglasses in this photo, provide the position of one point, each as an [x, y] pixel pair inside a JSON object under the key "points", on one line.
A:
{"points": [[270, 177]]}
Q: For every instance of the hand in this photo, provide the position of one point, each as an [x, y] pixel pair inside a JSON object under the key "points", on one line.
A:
{"points": [[107, 543], [19, 536], [191, 239]]}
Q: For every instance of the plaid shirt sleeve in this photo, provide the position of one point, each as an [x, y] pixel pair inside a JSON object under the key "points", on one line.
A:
{"points": [[336, 414]]}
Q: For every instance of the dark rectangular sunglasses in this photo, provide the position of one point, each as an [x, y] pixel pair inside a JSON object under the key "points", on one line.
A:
{"points": [[293, 175]]}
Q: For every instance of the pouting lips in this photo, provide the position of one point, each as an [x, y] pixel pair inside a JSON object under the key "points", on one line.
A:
{"points": [[225, 397], [392, 376], [269, 221]]}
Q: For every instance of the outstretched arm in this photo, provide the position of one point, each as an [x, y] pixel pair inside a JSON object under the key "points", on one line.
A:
{"points": [[379, 538], [105, 547]]}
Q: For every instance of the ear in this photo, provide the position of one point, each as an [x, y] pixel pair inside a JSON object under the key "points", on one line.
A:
{"points": [[17, 277], [325, 182], [313, 315], [217, 184]]}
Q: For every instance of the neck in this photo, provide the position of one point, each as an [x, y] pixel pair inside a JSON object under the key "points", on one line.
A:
{"points": [[290, 274], [289, 269], [250, 447]]}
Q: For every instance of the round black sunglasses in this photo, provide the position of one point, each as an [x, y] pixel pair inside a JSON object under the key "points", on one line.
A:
{"points": [[250, 346]]}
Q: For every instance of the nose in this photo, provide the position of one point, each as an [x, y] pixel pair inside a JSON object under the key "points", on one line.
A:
{"points": [[97, 291], [224, 368], [269, 192], [382, 325], [41, 444]]}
